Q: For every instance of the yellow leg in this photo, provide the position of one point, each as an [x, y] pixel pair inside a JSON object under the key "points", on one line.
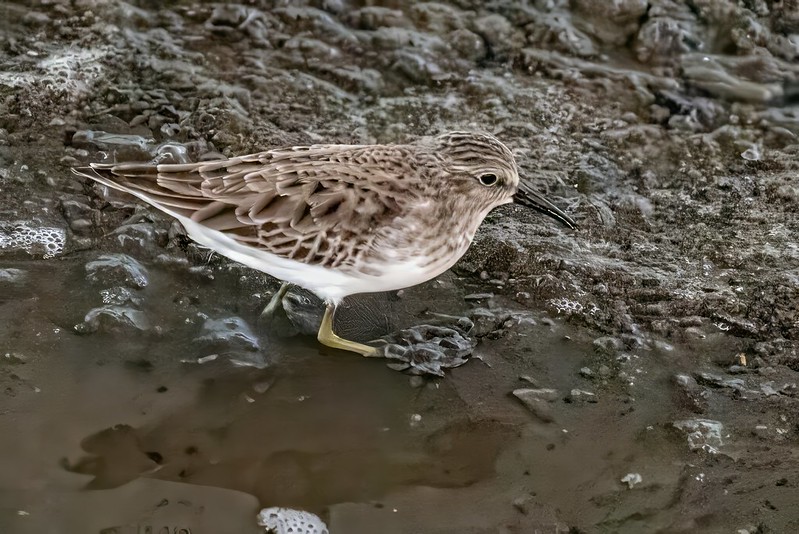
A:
{"points": [[277, 300], [326, 336]]}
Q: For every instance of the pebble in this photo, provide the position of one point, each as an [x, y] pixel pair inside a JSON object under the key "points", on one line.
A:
{"points": [[632, 479], [113, 318], [75, 209], [119, 296], [497, 32], [768, 390], [439, 18], [523, 503], [478, 296], [374, 17], [717, 381], [117, 270], [538, 401], [80, 226], [416, 381], [9, 275], [702, 434], [228, 333], [608, 345], [579, 395]]}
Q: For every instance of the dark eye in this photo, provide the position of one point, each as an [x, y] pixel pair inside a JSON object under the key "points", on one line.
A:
{"points": [[488, 179]]}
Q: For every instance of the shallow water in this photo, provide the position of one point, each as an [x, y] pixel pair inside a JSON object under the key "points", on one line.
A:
{"points": [[125, 429]]}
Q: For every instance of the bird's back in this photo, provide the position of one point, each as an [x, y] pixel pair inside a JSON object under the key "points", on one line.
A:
{"points": [[318, 205]]}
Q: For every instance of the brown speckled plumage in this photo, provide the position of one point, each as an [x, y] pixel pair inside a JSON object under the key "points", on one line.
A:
{"points": [[361, 211]]}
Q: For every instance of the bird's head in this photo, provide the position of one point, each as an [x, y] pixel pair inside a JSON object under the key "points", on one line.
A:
{"points": [[486, 172]]}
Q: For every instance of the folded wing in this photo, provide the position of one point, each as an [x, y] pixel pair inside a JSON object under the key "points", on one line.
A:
{"points": [[318, 204]]}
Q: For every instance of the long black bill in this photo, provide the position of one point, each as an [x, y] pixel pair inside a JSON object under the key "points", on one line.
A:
{"points": [[526, 196]]}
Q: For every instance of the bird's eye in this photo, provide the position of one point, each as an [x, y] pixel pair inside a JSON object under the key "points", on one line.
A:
{"points": [[488, 179]]}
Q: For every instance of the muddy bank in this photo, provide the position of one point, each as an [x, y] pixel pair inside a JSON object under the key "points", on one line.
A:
{"points": [[659, 339]]}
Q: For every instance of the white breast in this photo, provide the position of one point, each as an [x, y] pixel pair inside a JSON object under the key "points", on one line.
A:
{"points": [[329, 284]]}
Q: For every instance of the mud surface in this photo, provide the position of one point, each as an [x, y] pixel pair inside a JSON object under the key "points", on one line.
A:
{"points": [[636, 375]]}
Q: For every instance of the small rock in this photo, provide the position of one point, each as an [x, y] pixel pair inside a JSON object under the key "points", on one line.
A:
{"points": [[579, 395], [485, 321], [228, 333], [117, 270], [138, 238], [12, 276], [113, 318], [691, 393], [478, 296], [416, 381], [171, 261], [530, 380], [717, 381], [662, 346], [80, 226], [611, 22], [761, 431], [538, 401], [702, 434], [232, 338], [73, 209], [374, 17], [586, 372], [523, 503], [35, 18], [468, 44], [608, 345], [203, 271], [437, 18], [518, 319], [499, 34], [632, 479], [118, 296]]}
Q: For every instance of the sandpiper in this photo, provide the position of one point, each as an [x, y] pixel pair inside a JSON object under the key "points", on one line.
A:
{"points": [[338, 219]]}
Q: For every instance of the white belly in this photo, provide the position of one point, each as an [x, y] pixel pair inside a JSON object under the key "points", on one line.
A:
{"points": [[329, 284]]}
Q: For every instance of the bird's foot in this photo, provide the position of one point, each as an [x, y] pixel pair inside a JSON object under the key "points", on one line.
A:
{"points": [[429, 349]]}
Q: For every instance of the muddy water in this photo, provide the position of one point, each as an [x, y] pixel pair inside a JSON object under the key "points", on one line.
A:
{"points": [[130, 426], [124, 430]]}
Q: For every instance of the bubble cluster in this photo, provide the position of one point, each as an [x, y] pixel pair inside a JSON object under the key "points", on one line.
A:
{"points": [[288, 521], [47, 241], [569, 306]]}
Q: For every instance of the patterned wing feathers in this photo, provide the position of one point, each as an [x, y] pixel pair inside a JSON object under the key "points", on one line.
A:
{"points": [[318, 205]]}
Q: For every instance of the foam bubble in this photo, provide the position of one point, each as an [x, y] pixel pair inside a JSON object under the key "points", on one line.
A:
{"points": [[288, 521], [47, 241]]}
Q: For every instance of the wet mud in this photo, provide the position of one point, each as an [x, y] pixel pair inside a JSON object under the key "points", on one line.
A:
{"points": [[638, 374]]}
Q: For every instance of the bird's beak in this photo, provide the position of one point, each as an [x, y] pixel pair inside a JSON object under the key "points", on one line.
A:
{"points": [[526, 196]]}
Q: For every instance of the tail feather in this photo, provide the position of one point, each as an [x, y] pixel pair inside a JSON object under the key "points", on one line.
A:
{"points": [[170, 195]]}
